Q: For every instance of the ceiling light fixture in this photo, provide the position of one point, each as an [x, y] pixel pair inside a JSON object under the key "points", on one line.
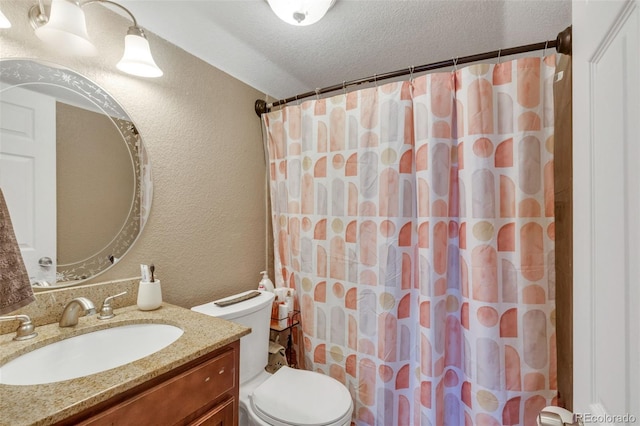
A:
{"points": [[65, 29], [300, 12], [4, 22]]}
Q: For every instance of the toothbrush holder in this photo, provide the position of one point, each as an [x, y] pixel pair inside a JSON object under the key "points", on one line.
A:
{"points": [[149, 295]]}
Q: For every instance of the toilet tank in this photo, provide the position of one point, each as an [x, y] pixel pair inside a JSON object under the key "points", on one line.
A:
{"points": [[254, 313]]}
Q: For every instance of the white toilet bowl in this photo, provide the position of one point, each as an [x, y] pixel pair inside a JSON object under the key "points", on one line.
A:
{"points": [[289, 397], [296, 397]]}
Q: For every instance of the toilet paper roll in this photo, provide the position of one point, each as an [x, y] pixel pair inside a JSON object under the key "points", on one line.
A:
{"points": [[281, 293], [283, 315]]}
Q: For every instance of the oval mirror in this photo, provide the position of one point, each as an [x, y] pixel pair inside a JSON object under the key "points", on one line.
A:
{"points": [[73, 170]]}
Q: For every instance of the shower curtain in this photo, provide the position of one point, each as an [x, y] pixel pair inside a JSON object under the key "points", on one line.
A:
{"points": [[415, 221]]}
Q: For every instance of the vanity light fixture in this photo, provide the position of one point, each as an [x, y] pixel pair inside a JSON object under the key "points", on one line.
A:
{"points": [[65, 29], [300, 12], [4, 22]]}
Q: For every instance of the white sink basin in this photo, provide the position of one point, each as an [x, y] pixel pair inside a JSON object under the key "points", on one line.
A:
{"points": [[88, 353]]}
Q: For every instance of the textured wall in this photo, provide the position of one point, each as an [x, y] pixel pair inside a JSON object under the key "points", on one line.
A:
{"points": [[207, 225], [94, 182]]}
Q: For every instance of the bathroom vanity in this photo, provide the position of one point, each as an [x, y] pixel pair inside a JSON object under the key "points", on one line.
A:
{"points": [[193, 381], [203, 392]]}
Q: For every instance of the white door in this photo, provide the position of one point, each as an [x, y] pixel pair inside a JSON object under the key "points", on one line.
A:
{"points": [[606, 164], [28, 175]]}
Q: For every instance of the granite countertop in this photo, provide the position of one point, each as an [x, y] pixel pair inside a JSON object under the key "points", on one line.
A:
{"points": [[48, 403]]}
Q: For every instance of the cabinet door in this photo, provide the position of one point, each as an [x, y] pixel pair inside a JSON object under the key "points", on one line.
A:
{"points": [[178, 398], [220, 415]]}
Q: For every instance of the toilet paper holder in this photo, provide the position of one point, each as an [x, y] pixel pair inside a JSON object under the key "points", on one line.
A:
{"points": [[558, 416]]}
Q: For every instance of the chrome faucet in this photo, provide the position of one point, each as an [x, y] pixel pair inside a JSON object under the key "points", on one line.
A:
{"points": [[73, 309], [25, 330]]}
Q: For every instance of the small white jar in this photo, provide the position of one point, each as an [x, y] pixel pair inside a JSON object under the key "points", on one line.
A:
{"points": [[149, 295]]}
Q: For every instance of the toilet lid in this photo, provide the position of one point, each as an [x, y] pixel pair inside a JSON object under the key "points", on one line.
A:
{"points": [[300, 397]]}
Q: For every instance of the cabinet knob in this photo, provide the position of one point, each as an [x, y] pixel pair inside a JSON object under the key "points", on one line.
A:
{"points": [[221, 371], [207, 379]]}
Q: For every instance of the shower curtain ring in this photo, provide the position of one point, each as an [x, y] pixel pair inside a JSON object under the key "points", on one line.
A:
{"points": [[544, 52], [411, 68], [455, 64], [344, 87], [499, 53], [375, 80], [317, 93]]}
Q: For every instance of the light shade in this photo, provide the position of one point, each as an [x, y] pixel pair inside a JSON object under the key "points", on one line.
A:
{"points": [[4, 22], [300, 12], [66, 29], [137, 59]]}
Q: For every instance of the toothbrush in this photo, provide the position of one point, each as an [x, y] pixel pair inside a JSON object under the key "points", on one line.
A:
{"points": [[144, 273]]}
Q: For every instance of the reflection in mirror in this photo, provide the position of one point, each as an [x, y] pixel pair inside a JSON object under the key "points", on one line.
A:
{"points": [[74, 172]]}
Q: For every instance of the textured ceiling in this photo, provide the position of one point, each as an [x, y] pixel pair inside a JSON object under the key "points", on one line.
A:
{"points": [[356, 39]]}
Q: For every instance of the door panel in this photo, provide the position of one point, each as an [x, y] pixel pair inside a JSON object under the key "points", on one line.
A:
{"points": [[606, 163], [28, 175]]}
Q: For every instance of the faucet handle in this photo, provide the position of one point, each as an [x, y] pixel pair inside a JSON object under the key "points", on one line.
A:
{"points": [[26, 329], [106, 311]]}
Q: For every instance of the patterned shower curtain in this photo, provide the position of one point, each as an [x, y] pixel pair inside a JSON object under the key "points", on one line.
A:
{"points": [[415, 221]]}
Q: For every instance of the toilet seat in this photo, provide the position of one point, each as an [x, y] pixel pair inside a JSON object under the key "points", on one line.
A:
{"points": [[301, 398]]}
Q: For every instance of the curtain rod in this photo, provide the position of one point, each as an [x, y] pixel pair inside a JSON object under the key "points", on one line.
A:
{"points": [[562, 44]]}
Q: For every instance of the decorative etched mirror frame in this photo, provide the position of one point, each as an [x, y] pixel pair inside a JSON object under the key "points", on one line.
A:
{"points": [[22, 72]]}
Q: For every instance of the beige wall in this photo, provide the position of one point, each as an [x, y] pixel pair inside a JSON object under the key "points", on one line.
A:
{"points": [[94, 182], [207, 225]]}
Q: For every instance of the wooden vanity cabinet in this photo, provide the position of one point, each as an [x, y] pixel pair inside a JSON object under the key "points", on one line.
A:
{"points": [[203, 392]]}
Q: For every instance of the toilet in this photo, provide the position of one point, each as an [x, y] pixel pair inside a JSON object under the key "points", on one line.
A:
{"points": [[289, 396]]}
